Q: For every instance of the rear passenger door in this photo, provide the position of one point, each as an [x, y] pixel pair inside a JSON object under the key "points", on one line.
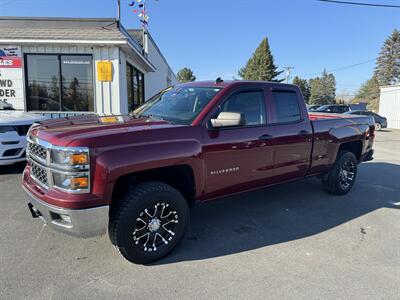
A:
{"points": [[292, 135]]}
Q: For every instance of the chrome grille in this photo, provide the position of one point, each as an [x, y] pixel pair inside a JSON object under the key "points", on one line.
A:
{"points": [[37, 150], [39, 174]]}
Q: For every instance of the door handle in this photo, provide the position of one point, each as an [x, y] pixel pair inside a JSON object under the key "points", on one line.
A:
{"points": [[304, 133], [265, 137]]}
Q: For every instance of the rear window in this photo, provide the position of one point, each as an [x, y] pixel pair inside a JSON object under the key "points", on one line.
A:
{"points": [[286, 106]]}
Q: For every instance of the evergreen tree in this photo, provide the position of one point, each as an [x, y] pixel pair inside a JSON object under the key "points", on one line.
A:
{"points": [[186, 75], [261, 65], [323, 89], [304, 87], [369, 93], [387, 69]]}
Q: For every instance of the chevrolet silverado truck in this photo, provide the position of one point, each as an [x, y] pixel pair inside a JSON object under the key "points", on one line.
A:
{"points": [[135, 176]]}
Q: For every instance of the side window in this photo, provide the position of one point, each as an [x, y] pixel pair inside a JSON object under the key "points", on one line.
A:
{"points": [[286, 106], [251, 104]]}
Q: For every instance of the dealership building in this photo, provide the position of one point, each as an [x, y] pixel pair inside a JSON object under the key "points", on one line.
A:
{"points": [[389, 105], [70, 66]]}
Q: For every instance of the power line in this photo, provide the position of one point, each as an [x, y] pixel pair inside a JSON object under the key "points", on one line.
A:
{"points": [[340, 68], [361, 3]]}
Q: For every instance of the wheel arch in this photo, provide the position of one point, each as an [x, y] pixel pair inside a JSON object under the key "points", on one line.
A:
{"points": [[181, 177]]}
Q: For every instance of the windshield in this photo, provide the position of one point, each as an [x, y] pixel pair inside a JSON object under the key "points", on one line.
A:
{"points": [[179, 105], [5, 106], [323, 108]]}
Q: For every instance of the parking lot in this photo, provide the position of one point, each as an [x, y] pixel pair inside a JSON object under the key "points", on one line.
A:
{"points": [[291, 241]]}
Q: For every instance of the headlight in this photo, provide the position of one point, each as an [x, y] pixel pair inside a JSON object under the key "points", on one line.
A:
{"points": [[4, 129], [71, 168], [70, 158], [71, 182]]}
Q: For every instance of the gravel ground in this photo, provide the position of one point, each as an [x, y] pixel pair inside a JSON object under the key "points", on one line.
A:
{"points": [[289, 242]]}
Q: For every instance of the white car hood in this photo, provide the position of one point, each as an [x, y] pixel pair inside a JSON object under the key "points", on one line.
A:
{"points": [[13, 117]]}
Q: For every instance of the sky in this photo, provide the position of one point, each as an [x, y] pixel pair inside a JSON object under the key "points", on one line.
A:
{"points": [[216, 37]]}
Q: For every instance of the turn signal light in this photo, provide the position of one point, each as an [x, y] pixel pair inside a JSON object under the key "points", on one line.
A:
{"points": [[79, 159], [79, 182]]}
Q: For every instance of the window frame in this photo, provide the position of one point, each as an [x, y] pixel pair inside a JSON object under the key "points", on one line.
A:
{"points": [[135, 73], [213, 113], [275, 121], [58, 55]]}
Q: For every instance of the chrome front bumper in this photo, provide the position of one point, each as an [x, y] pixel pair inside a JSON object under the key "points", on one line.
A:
{"points": [[76, 222]]}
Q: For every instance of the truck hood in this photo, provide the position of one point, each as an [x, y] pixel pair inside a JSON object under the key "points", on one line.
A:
{"points": [[63, 132], [13, 117]]}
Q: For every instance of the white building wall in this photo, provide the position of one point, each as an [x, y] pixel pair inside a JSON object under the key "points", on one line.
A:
{"points": [[158, 80], [389, 105], [106, 94]]}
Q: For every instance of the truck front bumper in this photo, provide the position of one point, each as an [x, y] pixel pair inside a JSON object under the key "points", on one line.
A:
{"points": [[76, 222]]}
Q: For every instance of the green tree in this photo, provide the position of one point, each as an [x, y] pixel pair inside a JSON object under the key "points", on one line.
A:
{"points": [[368, 93], [261, 65], [304, 87], [186, 75], [323, 89], [387, 69]]}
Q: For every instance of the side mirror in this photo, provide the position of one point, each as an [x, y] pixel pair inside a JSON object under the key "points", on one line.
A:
{"points": [[228, 119]]}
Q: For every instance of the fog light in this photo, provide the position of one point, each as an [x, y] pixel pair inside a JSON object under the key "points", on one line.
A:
{"points": [[65, 219]]}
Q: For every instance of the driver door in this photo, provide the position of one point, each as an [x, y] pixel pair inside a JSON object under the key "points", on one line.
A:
{"points": [[239, 158]]}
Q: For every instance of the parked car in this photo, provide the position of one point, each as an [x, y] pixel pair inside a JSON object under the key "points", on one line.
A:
{"points": [[380, 122], [14, 126], [313, 107], [135, 176], [333, 108]]}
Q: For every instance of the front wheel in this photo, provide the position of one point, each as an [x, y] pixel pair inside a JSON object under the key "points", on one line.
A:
{"points": [[149, 222], [378, 126], [341, 178]]}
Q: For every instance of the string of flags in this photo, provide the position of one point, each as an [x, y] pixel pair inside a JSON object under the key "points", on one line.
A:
{"points": [[140, 9]]}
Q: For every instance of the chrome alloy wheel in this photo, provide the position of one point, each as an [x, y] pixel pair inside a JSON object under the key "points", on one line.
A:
{"points": [[347, 174], [155, 227]]}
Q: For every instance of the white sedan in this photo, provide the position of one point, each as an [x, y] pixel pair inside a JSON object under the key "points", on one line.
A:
{"points": [[14, 126]]}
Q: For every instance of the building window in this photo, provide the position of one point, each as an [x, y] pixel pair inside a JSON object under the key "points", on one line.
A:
{"points": [[135, 84], [57, 82]]}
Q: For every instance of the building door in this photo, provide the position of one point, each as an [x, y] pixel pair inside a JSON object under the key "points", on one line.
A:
{"points": [[135, 85]]}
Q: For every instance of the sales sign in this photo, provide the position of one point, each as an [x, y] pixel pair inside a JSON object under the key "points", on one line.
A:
{"points": [[11, 76]]}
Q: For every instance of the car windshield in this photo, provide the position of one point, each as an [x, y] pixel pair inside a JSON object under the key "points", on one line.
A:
{"points": [[180, 105], [5, 106], [323, 108]]}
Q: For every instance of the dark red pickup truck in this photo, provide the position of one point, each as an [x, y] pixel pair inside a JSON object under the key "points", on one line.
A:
{"points": [[136, 175]]}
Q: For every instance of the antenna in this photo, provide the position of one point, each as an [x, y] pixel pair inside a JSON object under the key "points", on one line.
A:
{"points": [[288, 71]]}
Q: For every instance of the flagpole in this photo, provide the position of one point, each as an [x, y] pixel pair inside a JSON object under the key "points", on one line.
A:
{"points": [[119, 10]]}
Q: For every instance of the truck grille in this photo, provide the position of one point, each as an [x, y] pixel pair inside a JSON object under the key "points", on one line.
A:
{"points": [[39, 174], [37, 150]]}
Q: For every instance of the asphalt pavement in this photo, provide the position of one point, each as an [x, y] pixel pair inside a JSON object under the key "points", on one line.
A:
{"points": [[292, 241]]}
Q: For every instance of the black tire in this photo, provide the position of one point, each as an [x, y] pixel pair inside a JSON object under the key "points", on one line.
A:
{"points": [[334, 182], [136, 210], [378, 126]]}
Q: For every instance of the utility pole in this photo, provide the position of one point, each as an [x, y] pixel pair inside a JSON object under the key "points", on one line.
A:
{"points": [[288, 71]]}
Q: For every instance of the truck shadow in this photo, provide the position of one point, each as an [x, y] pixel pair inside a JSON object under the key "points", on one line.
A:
{"points": [[283, 214], [17, 168]]}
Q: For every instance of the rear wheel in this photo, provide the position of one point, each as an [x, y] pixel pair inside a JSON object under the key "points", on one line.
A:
{"points": [[341, 178], [149, 223], [378, 126]]}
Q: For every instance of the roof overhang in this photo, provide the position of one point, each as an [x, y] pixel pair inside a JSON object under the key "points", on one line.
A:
{"points": [[126, 45]]}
